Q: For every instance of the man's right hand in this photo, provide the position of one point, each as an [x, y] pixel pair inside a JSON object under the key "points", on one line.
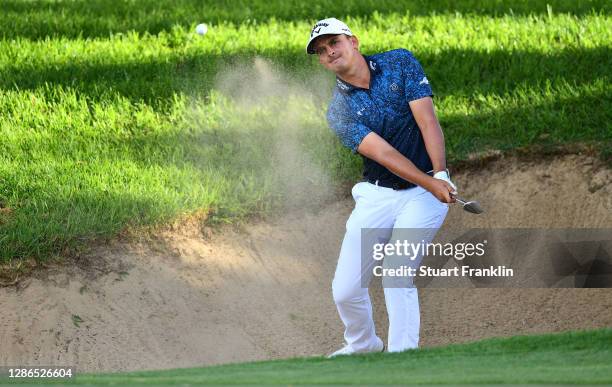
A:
{"points": [[440, 189]]}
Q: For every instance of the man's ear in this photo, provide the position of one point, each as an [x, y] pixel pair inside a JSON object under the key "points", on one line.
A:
{"points": [[355, 42]]}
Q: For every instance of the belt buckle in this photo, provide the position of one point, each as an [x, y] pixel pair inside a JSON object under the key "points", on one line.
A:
{"points": [[399, 186]]}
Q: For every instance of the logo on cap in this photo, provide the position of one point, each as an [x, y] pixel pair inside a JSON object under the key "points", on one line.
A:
{"points": [[315, 30]]}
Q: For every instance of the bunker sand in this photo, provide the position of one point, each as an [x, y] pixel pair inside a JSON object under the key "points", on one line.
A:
{"points": [[186, 297]]}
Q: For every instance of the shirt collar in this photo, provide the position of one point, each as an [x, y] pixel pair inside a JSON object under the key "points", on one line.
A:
{"points": [[345, 87]]}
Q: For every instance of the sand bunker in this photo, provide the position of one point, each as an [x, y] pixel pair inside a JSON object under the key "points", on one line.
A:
{"points": [[185, 297]]}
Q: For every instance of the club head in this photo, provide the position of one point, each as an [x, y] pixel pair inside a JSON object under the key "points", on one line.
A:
{"points": [[471, 206]]}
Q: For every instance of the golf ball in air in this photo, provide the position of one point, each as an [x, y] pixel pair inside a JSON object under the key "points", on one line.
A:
{"points": [[201, 29]]}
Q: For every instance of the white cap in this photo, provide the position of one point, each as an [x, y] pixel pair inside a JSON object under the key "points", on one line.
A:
{"points": [[331, 26]]}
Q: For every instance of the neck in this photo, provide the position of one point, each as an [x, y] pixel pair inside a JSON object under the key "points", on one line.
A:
{"points": [[358, 75]]}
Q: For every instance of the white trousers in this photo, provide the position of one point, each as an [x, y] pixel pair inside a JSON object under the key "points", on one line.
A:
{"points": [[386, 209]]}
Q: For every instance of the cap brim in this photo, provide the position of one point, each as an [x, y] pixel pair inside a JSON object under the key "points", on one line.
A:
{"points": [[310, 49]]}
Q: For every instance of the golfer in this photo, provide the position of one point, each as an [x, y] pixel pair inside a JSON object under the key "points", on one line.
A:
{"points": [[382, 108]]}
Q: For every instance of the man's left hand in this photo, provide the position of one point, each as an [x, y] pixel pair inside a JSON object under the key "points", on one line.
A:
{"points": [[443, 175]]}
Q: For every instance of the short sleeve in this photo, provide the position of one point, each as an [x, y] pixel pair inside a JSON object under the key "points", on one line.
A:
{"points": [[349, 131], [416, 82]]}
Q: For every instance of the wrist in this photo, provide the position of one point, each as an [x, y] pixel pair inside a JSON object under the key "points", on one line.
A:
{"points": [[427, 182]]}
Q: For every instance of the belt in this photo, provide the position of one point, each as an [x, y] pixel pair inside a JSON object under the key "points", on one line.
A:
{"points": [[396, 185]]}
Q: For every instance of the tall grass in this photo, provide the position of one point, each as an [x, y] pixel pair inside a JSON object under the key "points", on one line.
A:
{"points": [[113, 116]]}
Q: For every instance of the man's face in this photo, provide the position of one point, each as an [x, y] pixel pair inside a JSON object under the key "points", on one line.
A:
{"points": [[336, 52]]}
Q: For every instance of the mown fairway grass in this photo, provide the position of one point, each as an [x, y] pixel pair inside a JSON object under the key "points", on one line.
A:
{"points": [[115, 114], [567, 358]]}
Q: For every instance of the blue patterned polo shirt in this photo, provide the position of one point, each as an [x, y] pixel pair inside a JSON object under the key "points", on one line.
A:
{"points": [[396, 78]]}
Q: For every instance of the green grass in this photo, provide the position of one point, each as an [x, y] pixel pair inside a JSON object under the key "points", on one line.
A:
{"points": [[36, 19], [583, 357], [116, 115]]}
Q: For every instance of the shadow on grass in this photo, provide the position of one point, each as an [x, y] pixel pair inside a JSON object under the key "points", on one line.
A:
{"points": [[552, 122], [452, 72], [98, 18], [252, 147]]}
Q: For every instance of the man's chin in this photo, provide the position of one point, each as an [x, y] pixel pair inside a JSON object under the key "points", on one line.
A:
{"points": [[337, 66], [337, 62]]}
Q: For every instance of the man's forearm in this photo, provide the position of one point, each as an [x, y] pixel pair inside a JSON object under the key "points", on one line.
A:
{"points": [[434, 143], [425, 116], [376, 148], [401, 166]]}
